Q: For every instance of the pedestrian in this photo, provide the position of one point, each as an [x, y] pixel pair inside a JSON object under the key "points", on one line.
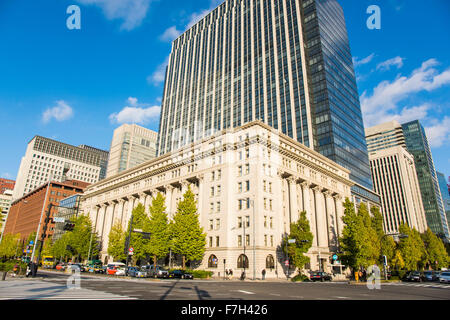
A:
{"points": [[231, 274], [264, 274], [243, 275]]}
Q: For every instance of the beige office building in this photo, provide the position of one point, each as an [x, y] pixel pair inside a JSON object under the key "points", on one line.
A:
{"points": [[131, 145], [250, 182], [395, 177]]}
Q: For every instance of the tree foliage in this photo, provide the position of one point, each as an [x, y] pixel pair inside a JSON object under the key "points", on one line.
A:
{"points": [[436, 255], [9, 247], [411, 247], [159, 229], [188, 238], [300, 231], [116, 242], [137, 242]]}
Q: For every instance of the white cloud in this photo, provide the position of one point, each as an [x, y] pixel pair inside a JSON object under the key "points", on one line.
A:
{"points": [[366, 60], [157, 77], [438, 133], [62, 111], [387, 94], [394, 62], [136, 113], [132, 12], [406, 114], [170, 34]]}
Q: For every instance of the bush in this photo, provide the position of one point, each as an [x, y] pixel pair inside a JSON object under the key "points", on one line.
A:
{"points": [[300, 278], [198, 274], [8, 266]]}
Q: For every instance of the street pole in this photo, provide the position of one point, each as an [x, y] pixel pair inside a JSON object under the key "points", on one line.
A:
{"points": [[40, 220], [254, 242]]}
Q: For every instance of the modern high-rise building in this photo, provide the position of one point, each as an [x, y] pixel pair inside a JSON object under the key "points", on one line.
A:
{"points": [[284, 62], [395, 179], [131, 145], [5, 204], [417, 144], [384, 136], [47, 159], [445, 195]]}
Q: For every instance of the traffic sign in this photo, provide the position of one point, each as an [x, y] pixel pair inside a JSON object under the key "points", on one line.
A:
{"points": [[31, 242], [335, 257], [130, 251], [286, 263]]}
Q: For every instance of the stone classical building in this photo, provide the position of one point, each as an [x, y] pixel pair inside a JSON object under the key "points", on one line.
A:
{"points": [[250, 182]]}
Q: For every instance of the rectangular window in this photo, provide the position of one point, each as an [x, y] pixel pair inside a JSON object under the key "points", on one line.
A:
{"points": [[217, 242], [247, 239], [239, 222], [239, 241]]}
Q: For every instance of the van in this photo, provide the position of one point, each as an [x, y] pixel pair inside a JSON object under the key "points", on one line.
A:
{"points": [[157, 271]]}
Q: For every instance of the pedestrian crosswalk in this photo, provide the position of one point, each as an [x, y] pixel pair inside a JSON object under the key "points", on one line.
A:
{"points": [[419, 285], [42, 290]]}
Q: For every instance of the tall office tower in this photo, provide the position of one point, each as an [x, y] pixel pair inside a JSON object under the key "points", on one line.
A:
{"points": [[284, 62], [131, 145], [395, 179], [47, 159], [417, 145], [104, 156], [384, 136], [5, 204], [445, 195]]}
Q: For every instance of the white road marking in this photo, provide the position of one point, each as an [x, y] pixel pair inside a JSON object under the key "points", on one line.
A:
{"points": [[246, 292]]}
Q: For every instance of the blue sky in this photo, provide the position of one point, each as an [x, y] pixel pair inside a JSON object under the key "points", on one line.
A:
{"points": [[77, 86]]}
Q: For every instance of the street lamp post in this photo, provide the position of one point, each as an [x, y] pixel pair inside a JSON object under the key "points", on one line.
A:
{"points": [[400, 236]]}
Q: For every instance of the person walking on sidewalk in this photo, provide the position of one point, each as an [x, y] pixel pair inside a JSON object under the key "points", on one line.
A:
{"points": [[264, 274]]}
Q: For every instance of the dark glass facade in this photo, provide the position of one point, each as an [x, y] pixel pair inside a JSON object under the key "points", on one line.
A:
{"points": [[417, 145]]}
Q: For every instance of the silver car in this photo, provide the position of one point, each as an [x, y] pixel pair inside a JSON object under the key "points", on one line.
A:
{"points": [[445, 277]]}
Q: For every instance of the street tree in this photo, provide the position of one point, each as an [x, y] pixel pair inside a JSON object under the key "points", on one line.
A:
{"points": [[80, 236], [436, 254], [159, 229], [10, 246], [411, 247], [59, 248], [188, 238], [137, 242], [300, 232], [116, 242]]}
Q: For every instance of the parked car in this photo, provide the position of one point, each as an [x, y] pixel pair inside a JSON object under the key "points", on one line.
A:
{"points": [[116, 268], [157, 271], [444, 277], [61, 266], [430, 275], [180, 274], [76, 266], [414, 276], [137, 272], [320, 276]]}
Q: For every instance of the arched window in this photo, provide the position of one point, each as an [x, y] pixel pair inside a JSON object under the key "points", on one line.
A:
{"points": [[242, 261], [212, 261], [270, 262]]}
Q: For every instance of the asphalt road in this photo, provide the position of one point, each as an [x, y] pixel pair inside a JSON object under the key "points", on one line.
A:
{"points": [[144, 289]]}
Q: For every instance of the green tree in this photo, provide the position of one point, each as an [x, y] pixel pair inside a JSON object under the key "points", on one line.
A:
{"points": [[10, 246], [397, 261], [301, 233], [59, 248], [411, 247], [436, 256], [137, 242], [80, 237], [159, 229], [359, 242], [116, 242], [188, 239]]}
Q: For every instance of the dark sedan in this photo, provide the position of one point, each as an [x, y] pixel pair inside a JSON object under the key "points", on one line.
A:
{"points": [[415, 276], [320, 276], [180, 274]]}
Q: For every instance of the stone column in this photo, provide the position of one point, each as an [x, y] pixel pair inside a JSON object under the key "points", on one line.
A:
{"points": [[102, 217], [169, 192], [299, 192], [331, 219], [293, 214], [339, 214], [121, 210], [201, 179], [321, 223]]}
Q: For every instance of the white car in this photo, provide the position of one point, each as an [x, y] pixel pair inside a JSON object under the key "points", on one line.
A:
{"points": [[121, 272], [445, 277]]}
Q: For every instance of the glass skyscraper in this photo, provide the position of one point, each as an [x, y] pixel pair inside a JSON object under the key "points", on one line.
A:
{"points": [[417, 145], [284, 62]]}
